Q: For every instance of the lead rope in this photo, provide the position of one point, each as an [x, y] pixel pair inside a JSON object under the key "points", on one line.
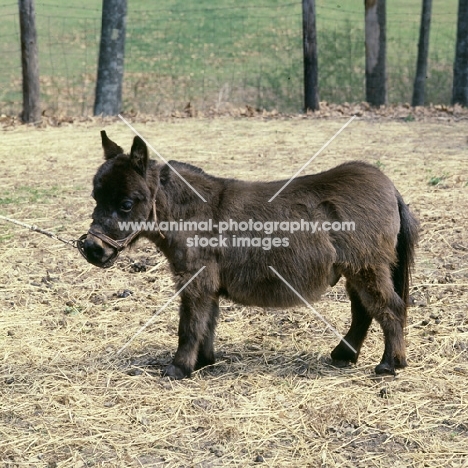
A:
{"points": [[118, 245], [35, 228]]}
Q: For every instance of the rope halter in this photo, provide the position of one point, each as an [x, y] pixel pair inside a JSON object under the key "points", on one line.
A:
{"points": [[117, 245]]}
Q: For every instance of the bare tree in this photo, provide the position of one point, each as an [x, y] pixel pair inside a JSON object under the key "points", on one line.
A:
{"points": [[111, 58], [423, 50], [29, 62], [460, 67], [376, 38], [311, 95]]}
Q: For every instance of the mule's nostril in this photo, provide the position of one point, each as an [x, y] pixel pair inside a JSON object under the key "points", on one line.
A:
{"points": [[95, 251], [92, 249]]}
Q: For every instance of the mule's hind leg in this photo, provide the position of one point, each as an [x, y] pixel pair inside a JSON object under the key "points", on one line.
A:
{"points": [[392, 321], [206, 350], [376, 291], [196, 330], [357, 332]]}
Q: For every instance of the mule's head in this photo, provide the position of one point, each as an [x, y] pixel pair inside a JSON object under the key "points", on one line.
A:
{"points": [[123, 196]]}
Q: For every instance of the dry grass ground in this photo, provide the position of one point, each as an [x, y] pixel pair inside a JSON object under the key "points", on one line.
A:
{"points": [[273, 398]]}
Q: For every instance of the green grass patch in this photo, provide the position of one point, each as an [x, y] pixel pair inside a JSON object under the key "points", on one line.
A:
{"points": [[6, 237], [435, 180]]}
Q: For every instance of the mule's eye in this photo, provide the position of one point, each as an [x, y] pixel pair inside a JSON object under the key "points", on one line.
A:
{"points": [[126, 205]]}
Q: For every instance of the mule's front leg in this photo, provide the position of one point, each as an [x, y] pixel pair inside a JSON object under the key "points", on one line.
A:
{"points": [[205, 355], [196, 331]]}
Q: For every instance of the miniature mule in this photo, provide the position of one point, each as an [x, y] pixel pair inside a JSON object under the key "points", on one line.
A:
{"points": [[375, 258]]}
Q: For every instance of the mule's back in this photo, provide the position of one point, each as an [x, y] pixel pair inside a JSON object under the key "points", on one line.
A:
{"points": [[354, 193]]}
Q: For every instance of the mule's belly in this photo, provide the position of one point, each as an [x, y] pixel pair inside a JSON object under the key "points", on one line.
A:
{"points": [[284, 300], [271, 290]]}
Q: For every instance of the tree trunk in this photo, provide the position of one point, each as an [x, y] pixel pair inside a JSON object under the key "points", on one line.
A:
{"points": [[375, 26], [311, 95], [460, 67], [111, 58], [423, 49], [29, 62]]}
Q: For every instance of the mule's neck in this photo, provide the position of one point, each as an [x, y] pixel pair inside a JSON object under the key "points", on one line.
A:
{"points": [[178, 187]]}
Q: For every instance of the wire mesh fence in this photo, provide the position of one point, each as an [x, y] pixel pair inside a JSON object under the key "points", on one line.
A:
{"points": [[220, 56]]}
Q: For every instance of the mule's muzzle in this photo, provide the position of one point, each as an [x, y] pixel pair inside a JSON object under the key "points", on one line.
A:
{"points": [[96, 251]]}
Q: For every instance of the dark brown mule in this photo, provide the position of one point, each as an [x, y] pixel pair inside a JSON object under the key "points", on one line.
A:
{"points": [[375, 258]]}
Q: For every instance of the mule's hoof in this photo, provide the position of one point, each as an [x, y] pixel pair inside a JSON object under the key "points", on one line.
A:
{"points": [[400, 363], [343, 354], [340, 363], [384, 368], [174, 372], [203, 362]]}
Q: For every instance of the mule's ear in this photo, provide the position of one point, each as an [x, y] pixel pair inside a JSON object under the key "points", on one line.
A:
{"points": [[110, 148], [139, 156]]}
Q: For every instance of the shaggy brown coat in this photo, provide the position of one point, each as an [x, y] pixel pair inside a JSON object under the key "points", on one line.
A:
{"points": [[375, 258]]}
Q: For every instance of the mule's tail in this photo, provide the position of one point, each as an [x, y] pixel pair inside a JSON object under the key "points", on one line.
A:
{"points": [[406, 244]]}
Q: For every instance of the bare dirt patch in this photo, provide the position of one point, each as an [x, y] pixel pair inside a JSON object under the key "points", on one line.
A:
{"points": [[273, 397]]}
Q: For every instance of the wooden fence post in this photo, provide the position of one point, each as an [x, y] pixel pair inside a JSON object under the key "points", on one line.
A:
{"points": [[423, 50], [311, 95], [460, 67], [376, 74], [29, 62], [111, 58]]}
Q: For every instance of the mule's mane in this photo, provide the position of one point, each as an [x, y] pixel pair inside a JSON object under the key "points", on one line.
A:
{"points": [[185, 168], [184, 165]]}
